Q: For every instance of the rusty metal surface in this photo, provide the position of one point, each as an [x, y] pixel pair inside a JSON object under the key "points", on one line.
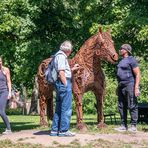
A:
{"points": [[89, 77]]}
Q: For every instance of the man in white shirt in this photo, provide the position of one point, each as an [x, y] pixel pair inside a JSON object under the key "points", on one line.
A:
{"points": [[63, 86]]}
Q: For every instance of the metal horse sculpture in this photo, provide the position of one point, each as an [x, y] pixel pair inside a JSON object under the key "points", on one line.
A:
{"points": [[89, 77]]}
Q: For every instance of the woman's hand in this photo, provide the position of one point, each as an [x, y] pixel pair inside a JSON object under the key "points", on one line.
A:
{"points": [[9, 95]]}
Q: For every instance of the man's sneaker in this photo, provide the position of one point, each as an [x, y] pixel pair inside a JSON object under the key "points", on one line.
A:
{"points": [[53, 133], [122, 128], [133, 128], [66, 134], [7, 132]]}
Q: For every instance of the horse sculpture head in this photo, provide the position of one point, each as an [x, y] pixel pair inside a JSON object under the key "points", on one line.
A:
{"points": [[105, 46]]}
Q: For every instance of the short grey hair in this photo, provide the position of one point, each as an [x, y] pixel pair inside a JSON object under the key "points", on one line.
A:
{"points": [[66, 46]]}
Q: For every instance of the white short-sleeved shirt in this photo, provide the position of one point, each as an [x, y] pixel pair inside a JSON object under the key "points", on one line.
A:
{"points": [[61, 63]]}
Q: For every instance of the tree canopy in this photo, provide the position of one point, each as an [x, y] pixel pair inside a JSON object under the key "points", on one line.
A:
{"points": [[32, 30]]}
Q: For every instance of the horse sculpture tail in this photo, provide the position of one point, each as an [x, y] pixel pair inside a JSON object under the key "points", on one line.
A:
{"points": [[42, 67], [45, 93]]}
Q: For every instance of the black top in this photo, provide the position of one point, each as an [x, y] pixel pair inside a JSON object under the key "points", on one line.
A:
{"points": [[3, 81], [125, 67]]}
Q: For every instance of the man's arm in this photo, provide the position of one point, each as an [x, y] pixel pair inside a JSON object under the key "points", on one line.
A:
{"points": [[137, 80], [62, 77]]}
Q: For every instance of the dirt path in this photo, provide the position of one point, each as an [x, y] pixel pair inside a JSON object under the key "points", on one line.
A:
{"points": [[42, 137]]}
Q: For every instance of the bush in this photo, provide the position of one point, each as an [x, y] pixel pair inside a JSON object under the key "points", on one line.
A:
{"points": [[88, 103], [110, 101], [17, 111]]}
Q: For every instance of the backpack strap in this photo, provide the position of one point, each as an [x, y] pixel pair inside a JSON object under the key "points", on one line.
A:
{"points": [[54, 58]]}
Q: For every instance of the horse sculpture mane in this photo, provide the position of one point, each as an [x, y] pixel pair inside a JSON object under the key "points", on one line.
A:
{"points": [[89, 77]]}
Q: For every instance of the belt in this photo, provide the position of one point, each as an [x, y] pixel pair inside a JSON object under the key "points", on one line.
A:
{"points": [[68, 78]]}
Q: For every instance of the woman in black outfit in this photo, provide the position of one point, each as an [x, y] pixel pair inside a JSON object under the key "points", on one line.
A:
{"points": [[5, 94]]}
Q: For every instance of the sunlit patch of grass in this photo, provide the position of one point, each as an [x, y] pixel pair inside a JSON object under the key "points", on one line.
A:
{"points": [[132, 144], [55, 143], [75, 142], [144, 143], [10, 144], [100, 143], [25, 138]]}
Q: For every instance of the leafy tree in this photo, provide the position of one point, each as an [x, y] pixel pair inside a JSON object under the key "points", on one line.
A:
{"points": [[32, 30]]}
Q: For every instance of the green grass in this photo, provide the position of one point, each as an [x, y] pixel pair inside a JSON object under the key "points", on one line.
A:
{"points": [[21, 122], [10, 144]]}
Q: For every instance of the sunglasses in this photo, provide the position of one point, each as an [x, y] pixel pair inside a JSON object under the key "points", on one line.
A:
{"points": [[122, 49]]}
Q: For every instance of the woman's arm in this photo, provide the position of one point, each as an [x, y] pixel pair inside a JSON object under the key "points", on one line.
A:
{"points": [[8, 82]]}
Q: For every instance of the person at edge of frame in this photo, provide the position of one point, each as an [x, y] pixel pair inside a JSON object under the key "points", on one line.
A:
{"points": [[5, 94]]}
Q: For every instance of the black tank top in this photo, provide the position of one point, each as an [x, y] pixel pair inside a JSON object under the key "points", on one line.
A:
{"points": [[3, 81]]}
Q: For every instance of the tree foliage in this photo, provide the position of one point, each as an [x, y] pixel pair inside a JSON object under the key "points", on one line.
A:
{"points": [[32, 30]]}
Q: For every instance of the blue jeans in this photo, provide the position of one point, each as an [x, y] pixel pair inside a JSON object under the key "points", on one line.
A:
{"points": [[63, 110]]}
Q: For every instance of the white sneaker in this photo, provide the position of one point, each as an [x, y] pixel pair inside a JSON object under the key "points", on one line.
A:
{"points": [[53, 133], [122, 128], [133, 128], [66, 134], [7, 132]]}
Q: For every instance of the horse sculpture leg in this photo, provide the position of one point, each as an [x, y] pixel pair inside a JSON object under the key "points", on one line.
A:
{"points": [[43, 121], [80, 124], [50, 107], [99, 98]]}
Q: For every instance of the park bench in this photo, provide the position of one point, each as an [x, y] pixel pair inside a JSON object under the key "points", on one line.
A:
{"points": [[112, 117], [143, 112]]}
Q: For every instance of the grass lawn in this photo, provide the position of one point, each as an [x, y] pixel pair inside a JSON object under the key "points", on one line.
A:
{"points": [[21, 122]]}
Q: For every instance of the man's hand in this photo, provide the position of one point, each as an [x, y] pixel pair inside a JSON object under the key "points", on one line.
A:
{"points": [[62, 77], [137, 92], [76, 66]]}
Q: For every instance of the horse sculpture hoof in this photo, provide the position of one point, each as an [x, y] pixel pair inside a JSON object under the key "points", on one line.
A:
{"points": [[82, 127], [44, 124], [101, 125]]}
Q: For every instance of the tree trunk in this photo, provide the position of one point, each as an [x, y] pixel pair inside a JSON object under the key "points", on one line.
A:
{"points": [[34, 98]]}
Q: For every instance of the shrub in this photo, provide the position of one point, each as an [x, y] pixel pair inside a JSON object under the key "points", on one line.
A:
{"points": [[17, 111]]}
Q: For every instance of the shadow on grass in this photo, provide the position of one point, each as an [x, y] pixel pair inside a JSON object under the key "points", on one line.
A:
{"points": [[145, 129], [92, 121], [18, 126]]}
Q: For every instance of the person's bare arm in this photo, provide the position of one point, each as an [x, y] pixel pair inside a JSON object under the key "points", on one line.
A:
{"points": [[8, 82], [62, 77], [137, 80]]}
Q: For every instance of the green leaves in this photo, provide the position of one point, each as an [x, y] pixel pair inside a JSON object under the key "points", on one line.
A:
{"points": [[32, 30]]}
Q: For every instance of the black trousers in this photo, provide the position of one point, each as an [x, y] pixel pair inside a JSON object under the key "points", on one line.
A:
{"points": [[127, 101]]}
